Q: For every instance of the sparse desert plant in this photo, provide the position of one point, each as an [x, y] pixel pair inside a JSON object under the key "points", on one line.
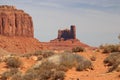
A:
{"points": [[13, 62], [29, 76], [113, 60], [37, 53], [108, 48], [17, 76], [45, 75], [67, 60], [47, 54], [84, 65], [41, 72], [6, 75], [78, 49], [75, 60], [58, 75]]}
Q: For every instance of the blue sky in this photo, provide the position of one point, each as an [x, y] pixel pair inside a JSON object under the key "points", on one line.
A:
{"points": [[97, 21]]}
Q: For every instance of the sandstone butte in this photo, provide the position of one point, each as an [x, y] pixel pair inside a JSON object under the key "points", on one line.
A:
{"points": [[17, 33], [66, 40]]}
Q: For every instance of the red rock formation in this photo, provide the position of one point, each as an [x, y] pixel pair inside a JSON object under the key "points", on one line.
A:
{"points": [[16, 31], [14, 22], [67, 34], [66, 40]]}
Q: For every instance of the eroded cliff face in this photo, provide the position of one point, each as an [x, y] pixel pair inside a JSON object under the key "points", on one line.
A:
{"points": [[14, 22]]}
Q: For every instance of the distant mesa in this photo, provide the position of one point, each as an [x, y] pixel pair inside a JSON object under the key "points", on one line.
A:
{"points": [[67, 34], [66, 40], [14, 22]]}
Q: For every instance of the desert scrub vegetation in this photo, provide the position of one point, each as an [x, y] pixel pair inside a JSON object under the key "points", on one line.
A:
{"points": [[39, 54], [13, 73], [13, 62], [113, 61], [46, 71], [78, 49], [54, 67], [108, 48]]}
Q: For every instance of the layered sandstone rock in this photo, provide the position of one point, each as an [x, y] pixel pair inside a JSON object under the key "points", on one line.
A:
{"points": [[14, 22], [16, 31]]}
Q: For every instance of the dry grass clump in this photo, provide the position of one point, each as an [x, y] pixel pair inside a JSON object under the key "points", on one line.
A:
{"points": [[39, 54], [69, 60], [84, 65], [11, 74], [78, 49], [113, 60], [46, 71], [108, 48], [13, 62]]}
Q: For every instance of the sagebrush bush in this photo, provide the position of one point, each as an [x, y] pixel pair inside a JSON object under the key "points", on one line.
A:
{"points": [[84, 65], [47, 54], [17, 76], [29, 76], [75, 60], [58, 75], [108, 48], [13, 62], [67, 60], [78, 49], [113, 60], [6, 75]]}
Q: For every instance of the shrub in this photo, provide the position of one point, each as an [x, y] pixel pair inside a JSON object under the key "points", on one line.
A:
{"points": [[17, 76], [67, 60], [58, 75], [47, 54], [29, 76], [45, 75], [75, 60], [84, 65], [110, 48], [13, 62], [78, 49], [6, 75], [37, 53], [113, 60], [42, 72]]}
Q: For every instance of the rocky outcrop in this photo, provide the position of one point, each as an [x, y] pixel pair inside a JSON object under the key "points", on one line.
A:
{"points": [[67, 34], [14, 22]]}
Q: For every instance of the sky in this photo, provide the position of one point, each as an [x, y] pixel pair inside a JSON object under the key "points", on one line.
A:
{"points": [[97, 21]]}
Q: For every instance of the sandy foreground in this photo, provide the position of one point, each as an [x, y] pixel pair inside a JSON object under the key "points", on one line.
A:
{"points": [[99, 72]]}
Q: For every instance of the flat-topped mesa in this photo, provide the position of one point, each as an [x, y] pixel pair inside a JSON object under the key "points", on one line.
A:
{"points": [[67, 33], [14, 22]]}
